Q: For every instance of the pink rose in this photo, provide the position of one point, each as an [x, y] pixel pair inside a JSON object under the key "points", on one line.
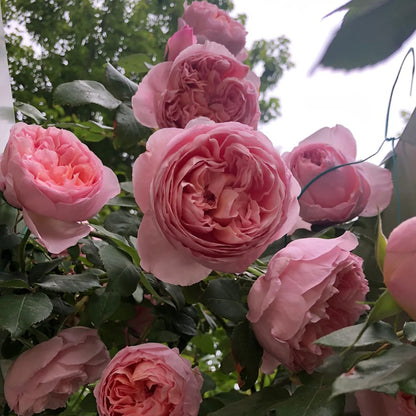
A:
{"points": [[399, 265], [342, 194], [213, 24], [178, 42], [56, 181], [311, 288], [46, 375], [213, 197], [203, 80], [372, 403], [146, 380]]}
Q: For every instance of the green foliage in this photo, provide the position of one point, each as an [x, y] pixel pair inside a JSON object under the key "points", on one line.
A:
{"points": [[371, 31]]}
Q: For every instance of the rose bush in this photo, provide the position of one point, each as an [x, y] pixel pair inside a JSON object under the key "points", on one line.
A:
{"points": [[149, 379], [56, 181], [179, 41], [203, 80], [373, 403], [213, 24], [342, 194], [398, 266], [46, 375], [311, 288], [213, 197]]}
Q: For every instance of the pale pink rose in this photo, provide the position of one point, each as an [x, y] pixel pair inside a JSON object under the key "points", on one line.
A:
{"points": [[373, 403], [311, 288], [203, 80], [399, 265], [214, 195], [213, 24], [149, 380], [178, 42], [46, 375], [342, 194], [56, 181]]}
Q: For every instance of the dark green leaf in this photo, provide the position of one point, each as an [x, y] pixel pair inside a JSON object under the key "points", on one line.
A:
{"points": [[397, 364], [41, 269], [102, 305], [175, 292], [20, 312], [14, 280], [184, 324], [209, 383], [118, 84], [128, 131], [71, 283], [222, 297], [30, 111], [123, 201], [82, 92], [409, 330], [122, 222], [246, 353], [124, 275], [308, 400], [8, 239], [90, 249], [345, 337], [408, 386], [370, 35]]}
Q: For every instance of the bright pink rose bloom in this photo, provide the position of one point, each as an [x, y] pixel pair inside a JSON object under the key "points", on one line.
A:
{"points": [[149, 380], [56, 181], [46, 375], [399, 265], [213, 24], [213, 197], [373, 403], [178, 42], [203, 80], [342, 194], [311, 288]]}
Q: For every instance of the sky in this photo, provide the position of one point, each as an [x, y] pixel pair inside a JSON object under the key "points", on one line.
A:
{"points": [[356, 99]]}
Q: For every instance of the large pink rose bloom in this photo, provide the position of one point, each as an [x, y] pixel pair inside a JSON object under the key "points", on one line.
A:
{"points": [[342, 194], [46, 375], [149, 380], [56, 181], [203, 80], [373, 403], [213, 24], [399, 265], [213, 197], [311, 288]]}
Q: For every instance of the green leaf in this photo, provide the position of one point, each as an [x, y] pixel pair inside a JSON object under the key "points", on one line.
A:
{"points": [[222, 297], [122, 222], [124, 275], [136, 63], [128, 131], [20, 312], [14, 280], [384, 307], [409, 330], [102, 305], [381, 244], [127, 186], [88, 131], [8, 239], [118, 84], [246, 353], [82, 92], [30, 111], [397, 364], [345, 337], [310, 399], [71, 283], [123, 201], [370, 33], [41, 269], [176, 294]]}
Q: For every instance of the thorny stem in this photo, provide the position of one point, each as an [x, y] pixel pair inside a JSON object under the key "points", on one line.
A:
{"points": [[22, 247]]}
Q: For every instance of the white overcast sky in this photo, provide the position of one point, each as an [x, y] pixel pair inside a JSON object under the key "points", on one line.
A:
{"points": [[357, 99]]}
